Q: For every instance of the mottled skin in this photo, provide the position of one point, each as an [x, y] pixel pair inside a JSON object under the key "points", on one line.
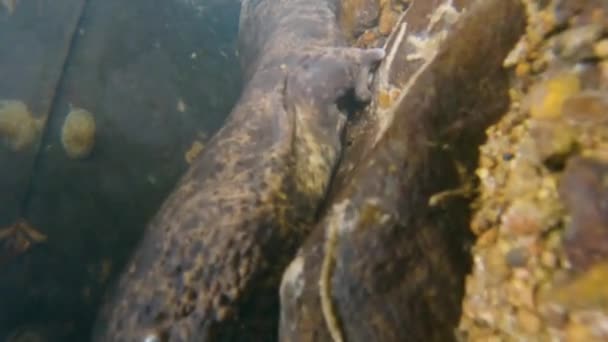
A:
{"points": [[209, 264]]}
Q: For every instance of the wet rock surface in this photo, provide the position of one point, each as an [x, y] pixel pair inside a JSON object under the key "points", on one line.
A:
{"points": [[155, 76], [33, 49], [540, 218]]}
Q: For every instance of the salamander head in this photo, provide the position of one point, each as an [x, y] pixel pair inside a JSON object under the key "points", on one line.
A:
{"points": [[322, 78]]}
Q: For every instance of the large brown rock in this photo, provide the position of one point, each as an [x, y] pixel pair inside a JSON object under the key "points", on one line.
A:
{"points": [[383, 264], [155, 75]]}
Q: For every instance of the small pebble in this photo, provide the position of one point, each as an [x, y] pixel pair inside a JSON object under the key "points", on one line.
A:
{"points": [[576, 332], [589, 107], [480, 223], [601, 48], [553, 140], [498, 269], [529, 322], [575, 42], [523, 179], [482, 173], [517, 257], [519, 293], [487, 238], [553, 315], [548, 259], [522, 218], [545, 99], [522, 69], [507, 156], [584, 192], [526, 293]]}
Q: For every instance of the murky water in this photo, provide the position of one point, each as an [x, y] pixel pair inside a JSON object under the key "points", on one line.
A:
{"points": [[158, 78]]}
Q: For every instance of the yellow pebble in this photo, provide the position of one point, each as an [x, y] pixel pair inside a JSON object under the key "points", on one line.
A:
{"points": [[577, 332], [529, 322], [545, 99], [601, 48], [522, 69]]}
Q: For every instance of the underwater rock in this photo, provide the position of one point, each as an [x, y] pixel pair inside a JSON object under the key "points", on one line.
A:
{"points": [[18, 128], [554, 141], [113, 68], [384, 265], [586, 108], [546, 98], [584, 190], [548, 198], [33, 44], [78, 133]]}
